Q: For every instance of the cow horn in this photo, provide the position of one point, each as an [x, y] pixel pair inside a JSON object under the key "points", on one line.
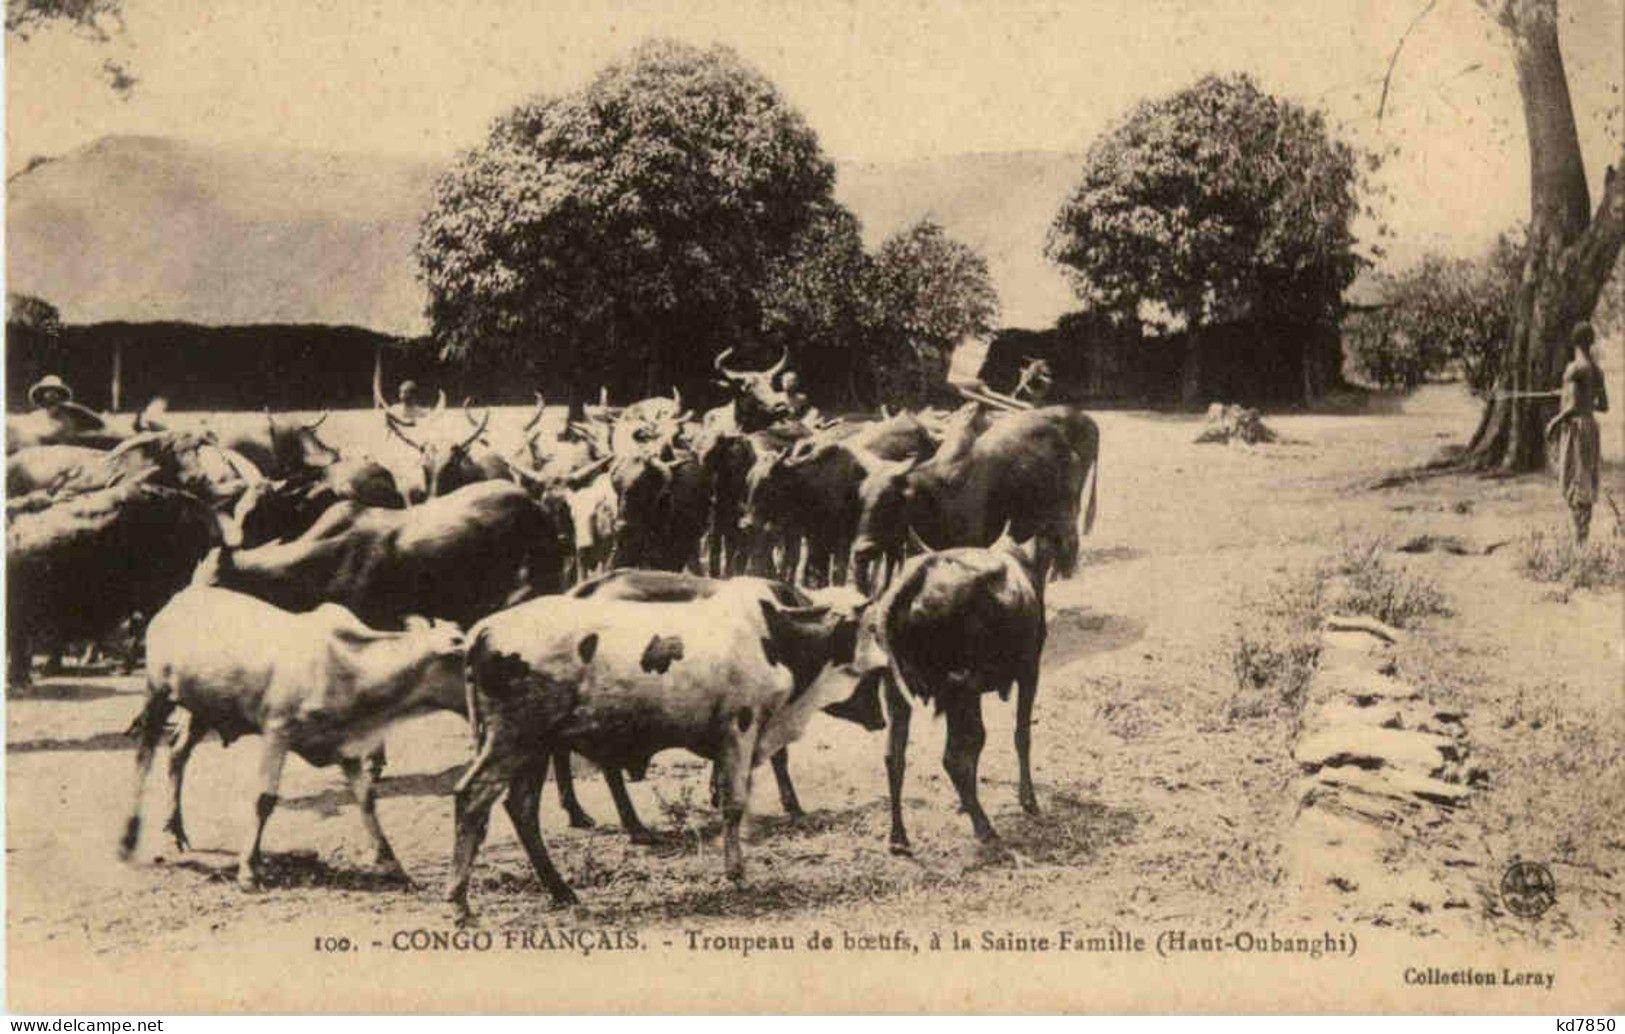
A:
{"points": [[468, 400], [799, 456], [717, 362], [135, 441], [885, 412], [784, 360], [378, 378], [319, 421], [536, 417], [270, 420], [581, 474], [525, 472], [676, 398], [440, 402], [917, 544], [395, 426], [479, 428], [242, 466]]}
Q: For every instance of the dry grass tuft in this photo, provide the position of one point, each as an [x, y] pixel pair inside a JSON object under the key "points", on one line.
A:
{"points": [[1546, 557]]}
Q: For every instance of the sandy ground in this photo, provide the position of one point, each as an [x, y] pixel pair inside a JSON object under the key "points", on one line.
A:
{"points": [[1159, 807]]}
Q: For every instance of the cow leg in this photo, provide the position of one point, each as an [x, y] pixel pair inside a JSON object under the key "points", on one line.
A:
{"points": [[734, 767], [579, 819], [1026, 691], [630, 822], [524, 797], [966, 735], [187, 735], [479, 788], [364, 788], [899, 711], [787, 789], [271, 761], [149, 727]]}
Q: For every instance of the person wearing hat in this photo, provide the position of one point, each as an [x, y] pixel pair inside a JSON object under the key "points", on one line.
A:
{"points": [[49, 392], [1579, 445]]}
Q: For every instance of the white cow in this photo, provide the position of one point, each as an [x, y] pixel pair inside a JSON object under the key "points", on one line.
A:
{"points": [[320, 684], [733, 677]]}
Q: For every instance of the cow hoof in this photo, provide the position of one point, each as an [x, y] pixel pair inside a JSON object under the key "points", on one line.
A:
{"points": [[736, 877], [175, 830], [902, 850], [248, 884], [566, 899], [1030, 805], [644, 838], [581, 820]]}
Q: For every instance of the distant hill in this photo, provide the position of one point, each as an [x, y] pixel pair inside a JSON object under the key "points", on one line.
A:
{"points": [[147, 228]]}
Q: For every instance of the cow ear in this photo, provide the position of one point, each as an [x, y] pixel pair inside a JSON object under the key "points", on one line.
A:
{"points": [[587, 647]]}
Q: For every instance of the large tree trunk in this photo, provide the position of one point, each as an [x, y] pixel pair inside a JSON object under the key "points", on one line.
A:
{"points": [[1190, 377], [1570, 253]]}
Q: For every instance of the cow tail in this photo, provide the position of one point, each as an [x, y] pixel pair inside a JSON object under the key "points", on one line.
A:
{"points": [[471, 692], [1089, 486]]}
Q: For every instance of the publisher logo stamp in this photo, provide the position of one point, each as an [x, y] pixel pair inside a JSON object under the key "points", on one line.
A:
{"points": [[1528, 889]]}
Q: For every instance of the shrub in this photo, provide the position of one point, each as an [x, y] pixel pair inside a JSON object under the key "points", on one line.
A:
{"points": [[1371, 588], [1599, 564], [1277, 642]]}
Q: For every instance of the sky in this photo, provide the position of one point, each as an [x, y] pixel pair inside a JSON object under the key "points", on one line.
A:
{"points": [[879, 80]]}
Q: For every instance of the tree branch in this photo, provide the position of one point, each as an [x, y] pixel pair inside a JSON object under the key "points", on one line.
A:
{"points": [[1393, 59], [1590, 259]]}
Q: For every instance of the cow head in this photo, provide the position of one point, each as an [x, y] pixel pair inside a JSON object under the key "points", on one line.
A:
{"points": [[757, 403], [767, 490], [445, 460], [440, 649], [188, 461], [884, 498], [298, 446]]}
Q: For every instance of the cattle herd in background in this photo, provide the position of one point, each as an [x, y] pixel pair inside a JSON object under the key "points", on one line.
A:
{"points": [[637, 580]]}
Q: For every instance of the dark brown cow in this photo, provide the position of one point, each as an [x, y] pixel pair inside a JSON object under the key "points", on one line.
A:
{"points": [[1024, 470], [954, 626], [82, 565]]}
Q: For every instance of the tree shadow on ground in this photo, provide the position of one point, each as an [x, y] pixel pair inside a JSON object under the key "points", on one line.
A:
{"points": [[291, 870], [99, 741], [1076, 633], [62, 690], [329, 802], [829, 858]]}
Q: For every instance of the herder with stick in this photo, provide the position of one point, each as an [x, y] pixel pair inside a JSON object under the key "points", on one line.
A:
{"points": [[1579, 443]]}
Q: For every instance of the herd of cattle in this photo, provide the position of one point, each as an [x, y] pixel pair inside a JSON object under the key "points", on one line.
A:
{"points": [[630, 582]]}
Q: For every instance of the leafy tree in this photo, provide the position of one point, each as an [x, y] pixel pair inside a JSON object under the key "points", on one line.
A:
{"points": [[95, 20], [1571, 251], [630, 226], [1442, 312], [32, 314], [1217, 202], [933, 291], [821, 301]]}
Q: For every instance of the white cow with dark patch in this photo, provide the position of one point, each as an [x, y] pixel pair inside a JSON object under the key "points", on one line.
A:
{"points": [[734, 677], [320, 684]]}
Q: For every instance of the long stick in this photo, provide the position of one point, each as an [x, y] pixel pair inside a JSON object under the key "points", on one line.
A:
{"points": [[1527, 394]]}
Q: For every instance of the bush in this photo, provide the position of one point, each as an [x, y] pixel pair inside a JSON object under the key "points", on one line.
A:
{"points": [[1277, 642], [1599, 564], [1371, 588], [1440, 314]]}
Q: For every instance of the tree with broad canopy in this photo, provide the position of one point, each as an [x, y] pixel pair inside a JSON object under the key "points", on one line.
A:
{"points": [[1217, 202]]}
